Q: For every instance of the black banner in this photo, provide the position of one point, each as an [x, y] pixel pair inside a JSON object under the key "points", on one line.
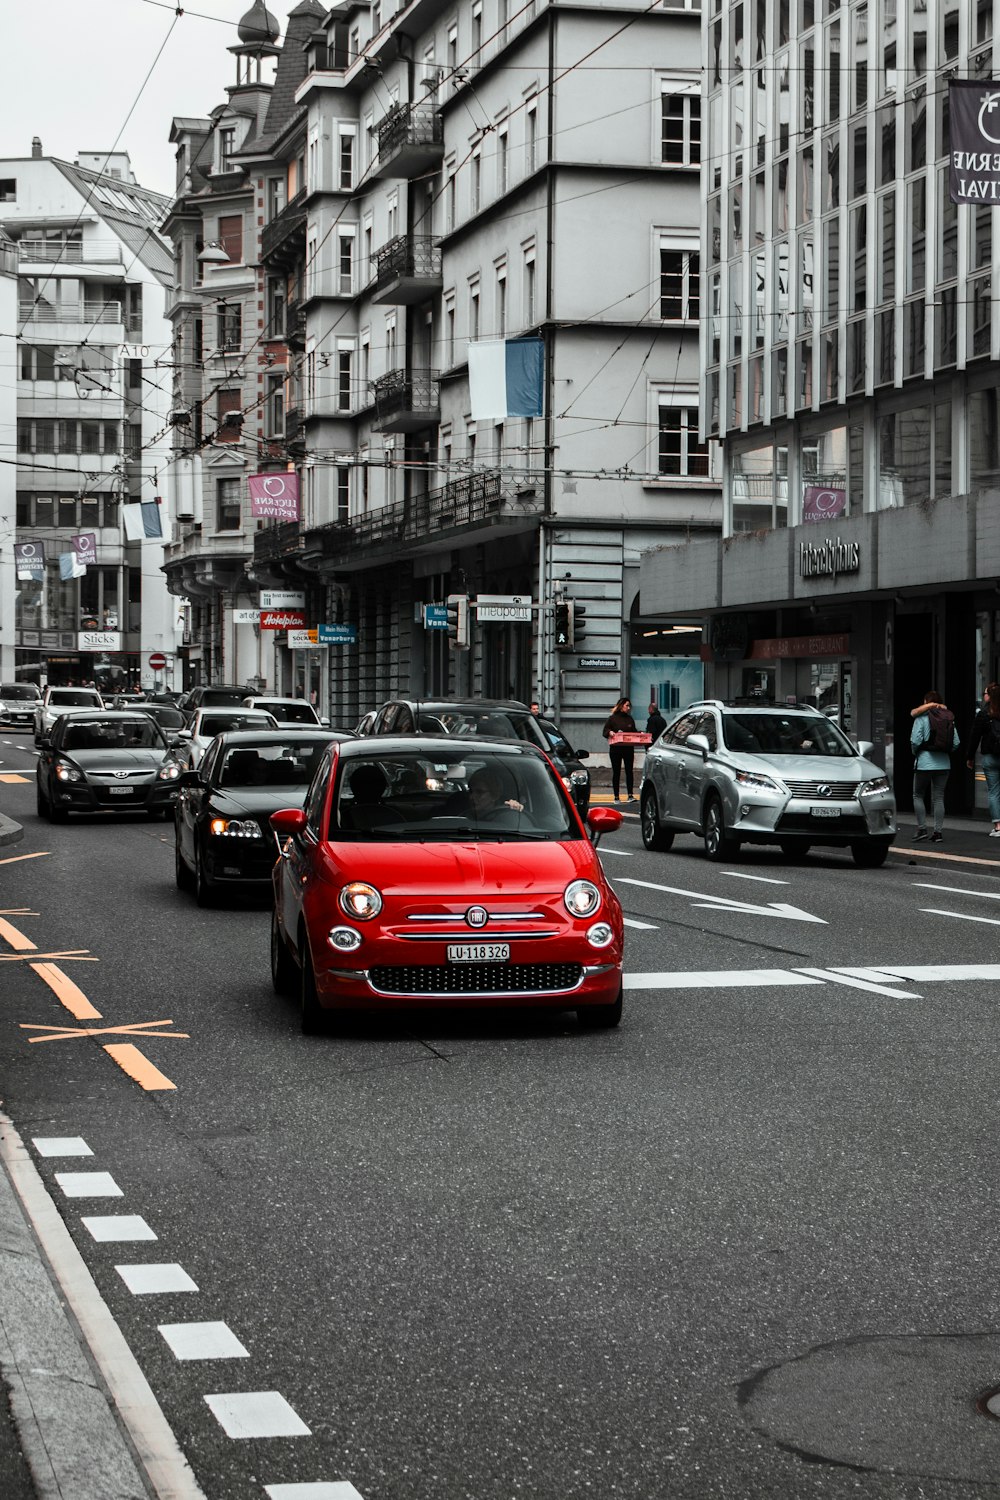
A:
{"points": [[974, 141]]}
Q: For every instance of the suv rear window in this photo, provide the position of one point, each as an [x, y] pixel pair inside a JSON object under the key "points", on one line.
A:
{"points": [[75, 697], [22, 692]]}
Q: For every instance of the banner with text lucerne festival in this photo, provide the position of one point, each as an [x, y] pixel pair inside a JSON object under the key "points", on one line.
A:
{"points": [[974, 141], [274, 496]]}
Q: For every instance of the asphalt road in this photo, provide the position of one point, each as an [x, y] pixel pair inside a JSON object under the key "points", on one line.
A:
{"points": [[744, 1246]]}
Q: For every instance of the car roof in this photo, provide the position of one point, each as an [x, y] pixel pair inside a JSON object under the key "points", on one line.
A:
{"points": [[465, 705], [435, 744], [129, 714], [279, 736], [805, 709], [274, 698]]}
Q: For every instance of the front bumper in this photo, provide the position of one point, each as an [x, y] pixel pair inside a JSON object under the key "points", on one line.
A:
{"points": [[74, 796], [763, 817], [239, 862]]}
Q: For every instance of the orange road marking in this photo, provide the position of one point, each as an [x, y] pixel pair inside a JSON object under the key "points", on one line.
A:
{"points": [[67, 993], [135, 1028], [132, 1062], [79, 954], [11, 776], [16, 939], [15, 857]]}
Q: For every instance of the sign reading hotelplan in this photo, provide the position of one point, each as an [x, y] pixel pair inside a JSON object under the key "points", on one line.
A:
{"points": [[282, 619]]}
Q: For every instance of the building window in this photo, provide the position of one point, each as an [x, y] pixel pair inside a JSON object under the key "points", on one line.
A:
{"points": [[343, 493], [8, 189], [133, 441], [228, 416], [275, 197], [502, 161], [346, 161], [275, 310], [345, 367], [531, 140], [679, 301], [680, 129], [231, 237], [274, 406], [501, 301], [230, 327], [474, 310], [227, 145], [449, 331], [680, 453], [228, 510], [529, 288], [449, 200], [345, 263], [476, 183]]}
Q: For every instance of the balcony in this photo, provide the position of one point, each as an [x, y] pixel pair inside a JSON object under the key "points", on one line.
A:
{"points": [[410, 142], [70, 312], [469, 510], [281, 543], [295, 325], [283, 241], [68, 252], [406, 401], [407, 270]]}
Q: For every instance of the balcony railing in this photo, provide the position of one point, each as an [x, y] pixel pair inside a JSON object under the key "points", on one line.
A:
{"points": [[295, 324], [284, 237], [278, 543], [410, 141], [407, 269], [406, 400], [70, 312], [69, 252]]}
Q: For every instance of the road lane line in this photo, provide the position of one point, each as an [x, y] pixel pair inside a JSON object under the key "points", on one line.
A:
{"points": [[89, 1185], [202, 1341], [155, 1277], [67, 993], [14, 858], [854, 982], [622, 853], [764, 879], [716, 979], [12, 776], [955, 890], [15, 938], [137, 1066], [61, 1145], [316, 1489], [644, 926], [111, 1228], [255, 1414], [960, 916]]}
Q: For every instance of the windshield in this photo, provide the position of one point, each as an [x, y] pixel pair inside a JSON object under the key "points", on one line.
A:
{"points": [[785, 734], [19, 690], [282, 763], [293, 713], [218, 723], [170, 718], [75, 697], [112, 734], [496, 723], [459, 797]]}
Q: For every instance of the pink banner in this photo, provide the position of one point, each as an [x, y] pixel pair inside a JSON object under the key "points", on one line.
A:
{"points": [[275, 496], [822, 505], [85, 547]]}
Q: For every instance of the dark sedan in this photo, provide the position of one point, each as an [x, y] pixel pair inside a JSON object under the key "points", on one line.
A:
{"points": [[105, 761], [224, 842]]}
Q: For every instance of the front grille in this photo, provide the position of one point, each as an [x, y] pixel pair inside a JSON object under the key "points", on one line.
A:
{"points": [[475, 979], [840, 791], [847, 823]]}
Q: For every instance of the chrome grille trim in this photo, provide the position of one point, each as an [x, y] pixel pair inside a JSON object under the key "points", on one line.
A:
{"points": [[840, 791], [454, 916], [462, 932]]}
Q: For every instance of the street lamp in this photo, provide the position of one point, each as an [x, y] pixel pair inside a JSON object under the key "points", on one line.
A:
{"points": [[213, 255]]}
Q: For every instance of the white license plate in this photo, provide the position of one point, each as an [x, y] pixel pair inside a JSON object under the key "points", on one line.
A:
{"points": [[477, 953], [825, 812], [121, 791]]}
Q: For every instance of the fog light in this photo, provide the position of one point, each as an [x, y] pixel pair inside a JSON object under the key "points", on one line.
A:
{"points": [[744, 812], [343, 939], [600, 935]]}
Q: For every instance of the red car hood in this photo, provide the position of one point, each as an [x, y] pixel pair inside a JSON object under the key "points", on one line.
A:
{"points": [[449, 870]]}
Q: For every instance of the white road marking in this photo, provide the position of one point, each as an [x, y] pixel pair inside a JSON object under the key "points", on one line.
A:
{"points": [[940, 973], [723, 903], [256, 1414], [720, 979], [645, 926], [165, 1276], [202, 1341], [322, 1489], [89, 1185], [858, 982], [108, 1227], [622, 853], [764, 879], [961, 916], [956, 890], [61, 1145], [883, 975]]}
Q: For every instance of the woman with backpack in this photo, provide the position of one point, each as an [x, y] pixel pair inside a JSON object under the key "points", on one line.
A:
{"points": [[985, 738], [932, 740]]}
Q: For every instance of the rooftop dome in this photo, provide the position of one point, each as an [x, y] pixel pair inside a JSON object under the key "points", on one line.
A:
{"points": [[258, 25]]}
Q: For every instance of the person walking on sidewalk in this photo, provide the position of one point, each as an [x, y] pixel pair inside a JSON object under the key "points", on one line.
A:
{"points": [[932, 740], [620, 721], [656, 723], [985, 738]]}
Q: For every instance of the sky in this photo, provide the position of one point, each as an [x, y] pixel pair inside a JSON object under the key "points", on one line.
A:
{"points": [[77, 67]]}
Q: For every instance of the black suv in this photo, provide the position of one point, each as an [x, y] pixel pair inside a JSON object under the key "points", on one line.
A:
{"points": [[497, 718]]}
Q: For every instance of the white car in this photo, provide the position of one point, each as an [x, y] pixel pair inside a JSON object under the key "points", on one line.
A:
{"points": [[62, 700], [288, 711], [206, 723]]}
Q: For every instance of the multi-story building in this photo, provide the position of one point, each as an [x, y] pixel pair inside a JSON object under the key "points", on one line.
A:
{"points": [[440, 176], [850, 350], [91, 416]]}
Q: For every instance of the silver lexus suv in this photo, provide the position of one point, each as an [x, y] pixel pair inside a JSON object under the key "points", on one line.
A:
{"points": [[775, 775]]}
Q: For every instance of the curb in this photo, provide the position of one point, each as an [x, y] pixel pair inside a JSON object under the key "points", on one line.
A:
{"points": [[10, 832]]}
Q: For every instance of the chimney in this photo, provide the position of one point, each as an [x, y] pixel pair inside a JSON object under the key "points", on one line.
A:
{"points": [[36, 147]]}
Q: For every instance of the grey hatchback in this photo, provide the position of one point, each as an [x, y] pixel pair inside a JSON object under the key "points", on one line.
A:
{"points": [[775, 775]]}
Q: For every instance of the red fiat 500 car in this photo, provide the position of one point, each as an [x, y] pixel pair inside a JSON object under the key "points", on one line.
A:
{"points": [[425, 872]]}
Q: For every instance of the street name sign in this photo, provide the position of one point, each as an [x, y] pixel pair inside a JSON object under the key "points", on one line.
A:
{"points": [[503, 607]]}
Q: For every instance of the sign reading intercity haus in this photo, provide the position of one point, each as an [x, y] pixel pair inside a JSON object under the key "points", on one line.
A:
{"points": [[974, 141], [828, 558]]}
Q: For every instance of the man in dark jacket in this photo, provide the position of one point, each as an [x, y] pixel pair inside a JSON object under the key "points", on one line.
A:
{"points": [[656, 723]]}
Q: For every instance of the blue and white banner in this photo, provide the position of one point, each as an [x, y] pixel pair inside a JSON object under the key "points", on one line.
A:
{"points": [[70, 566], [506, 378], [142, 521]]}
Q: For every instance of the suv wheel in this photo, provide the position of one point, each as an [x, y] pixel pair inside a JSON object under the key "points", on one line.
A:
{"points": [[653, 835], [870, 853], [719, 844]]}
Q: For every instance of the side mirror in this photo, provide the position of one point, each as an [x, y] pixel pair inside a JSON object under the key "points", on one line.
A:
{"points": [[44, 742], [288, 822], [865, 748], [183, 735], [699, 742], [324, 721], [582, 754], [603, 820], [189, 778]]}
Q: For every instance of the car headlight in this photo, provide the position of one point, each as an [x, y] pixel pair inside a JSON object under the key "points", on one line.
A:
{"points": [[581, 898], [169, 772], [758, 779], [235, 828], [578, 778], [870, 788], [360, 900], [65, 772]]}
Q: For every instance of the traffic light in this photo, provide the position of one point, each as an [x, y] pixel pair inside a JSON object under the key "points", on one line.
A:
{"points": [[458, 621], [564, 624], [578, 621]]}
